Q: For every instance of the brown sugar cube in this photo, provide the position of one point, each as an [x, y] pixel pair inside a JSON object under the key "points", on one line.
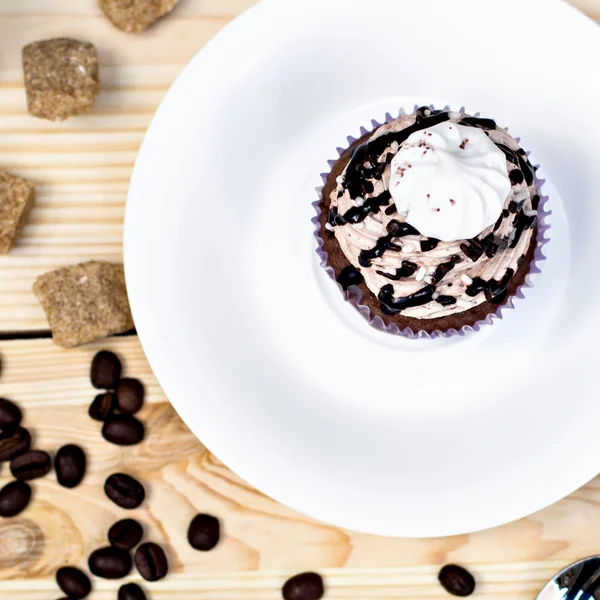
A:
{"points": [[16, 200], [84, 302], [135, 15], [61, 78]]}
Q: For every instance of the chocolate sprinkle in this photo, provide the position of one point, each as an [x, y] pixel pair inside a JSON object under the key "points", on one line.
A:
{"points": [[472, 251], [398, 229], [491, 249], [446, 300], [498, 289]]}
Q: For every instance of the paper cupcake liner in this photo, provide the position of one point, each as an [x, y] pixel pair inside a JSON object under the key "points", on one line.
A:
{"points": [[354, 294]]}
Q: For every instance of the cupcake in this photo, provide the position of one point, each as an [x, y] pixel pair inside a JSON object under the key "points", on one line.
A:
{"points": [[429, 223]]}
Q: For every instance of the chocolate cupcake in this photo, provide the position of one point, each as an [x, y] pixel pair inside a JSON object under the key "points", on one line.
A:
{"points": [[431, 222]]}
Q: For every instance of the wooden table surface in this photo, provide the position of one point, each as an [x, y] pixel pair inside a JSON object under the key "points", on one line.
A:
{"points": [[81, 168]]}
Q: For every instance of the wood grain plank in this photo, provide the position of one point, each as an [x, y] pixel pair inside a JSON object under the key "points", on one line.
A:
{"points": [[264, 541]]}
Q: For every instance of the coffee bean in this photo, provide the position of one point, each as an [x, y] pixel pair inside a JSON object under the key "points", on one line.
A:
{"points": [[13, 442], [10, 414], [203, 532], [131, 591], [123, 430], [151, 561], [124, 490], [305, 586], [456, 580], [31, 465], [14, 498], [73, 582], [6, 431], [105, 371], [125, 534], [110, 563], [69, 464], [130, 395], [103, 406]]}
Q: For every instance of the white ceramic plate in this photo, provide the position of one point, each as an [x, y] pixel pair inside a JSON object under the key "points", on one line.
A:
{"points": [[253, 344]]}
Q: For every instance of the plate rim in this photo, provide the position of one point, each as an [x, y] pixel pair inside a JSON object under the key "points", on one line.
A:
{"points": [[149, 339]]}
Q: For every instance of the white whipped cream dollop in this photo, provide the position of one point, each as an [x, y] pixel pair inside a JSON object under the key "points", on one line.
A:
{"points": [[449, 181]]}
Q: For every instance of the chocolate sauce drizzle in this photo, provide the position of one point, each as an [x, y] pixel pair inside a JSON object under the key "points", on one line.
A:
{"points": [[348, 276], [491, 245], [515, 207], [395, 230], [356, 214], [392, 306], [485, 124], [406, 270], [520, 160], [521, 223], [479, 285], [371, 150], [516, 176], [356, 181], [384, 243], [495, 291], [445, 268], [357, 175], [429, 244], [498, 222]]}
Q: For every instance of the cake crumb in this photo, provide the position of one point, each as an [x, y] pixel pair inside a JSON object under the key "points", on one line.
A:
{"points": [[134, 16], [84, 302], [61, 78], [16, 199]]}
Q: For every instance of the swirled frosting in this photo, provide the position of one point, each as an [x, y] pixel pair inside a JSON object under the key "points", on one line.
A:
{"points": [[414, 274], [449, 181]]}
